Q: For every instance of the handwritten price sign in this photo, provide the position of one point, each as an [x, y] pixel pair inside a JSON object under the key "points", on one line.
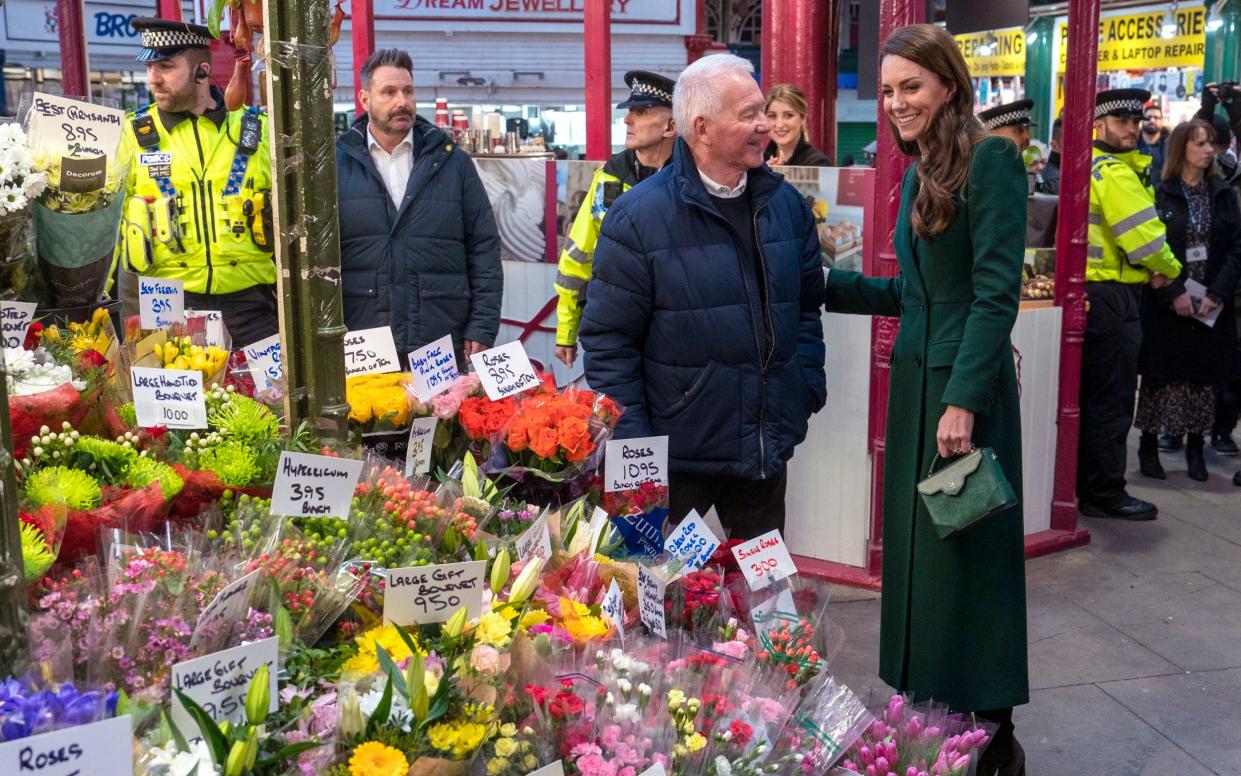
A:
{"points": [[169, 397], [370, 351], [692, 541], [629, 463], [161, 302], [613, 607], [228, 607], [421, 443], [764, 560], [218, 682], [100, 749], [314, 485], [427, 594], [15, 320], [263, 358], [505, 370], [433, 368], [67, 127], [651, 601]]}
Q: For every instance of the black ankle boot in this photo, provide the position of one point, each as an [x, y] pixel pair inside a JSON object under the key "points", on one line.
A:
{"points": [[1194, 458], [1148, 457]]}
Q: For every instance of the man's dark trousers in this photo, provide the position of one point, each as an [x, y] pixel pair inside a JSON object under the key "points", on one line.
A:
{"points": [[1109, 385], [747, 508]]}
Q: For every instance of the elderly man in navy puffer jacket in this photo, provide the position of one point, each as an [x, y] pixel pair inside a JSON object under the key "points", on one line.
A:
{"points": [[703, 313]]}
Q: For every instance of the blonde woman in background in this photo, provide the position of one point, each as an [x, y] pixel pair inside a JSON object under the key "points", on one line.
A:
{"points": [[786, 112]]}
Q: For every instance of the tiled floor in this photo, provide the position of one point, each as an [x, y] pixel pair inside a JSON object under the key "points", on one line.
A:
{"points": [[1135, 639]]}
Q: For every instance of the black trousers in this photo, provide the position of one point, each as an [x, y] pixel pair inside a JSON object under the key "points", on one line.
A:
{"points": [[747, 508], [249, 314], [1109, 384]]}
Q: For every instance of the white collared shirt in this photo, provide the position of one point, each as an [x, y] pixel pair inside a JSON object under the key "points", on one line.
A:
{"points": [[716, 189], [393, 167]]}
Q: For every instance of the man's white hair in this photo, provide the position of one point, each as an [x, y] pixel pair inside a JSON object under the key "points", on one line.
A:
{"points": [[698, 90]]}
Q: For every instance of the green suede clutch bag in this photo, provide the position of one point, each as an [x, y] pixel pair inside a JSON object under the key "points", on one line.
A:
{"points": [[965, 491]]}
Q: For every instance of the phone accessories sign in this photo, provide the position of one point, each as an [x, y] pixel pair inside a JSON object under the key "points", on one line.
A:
{"points": [[1138, 42]]}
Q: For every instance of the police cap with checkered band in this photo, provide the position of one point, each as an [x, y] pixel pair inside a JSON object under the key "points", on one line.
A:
{"points": [[647, 90], [1012, 114], [1122, 103], [165, 38]]}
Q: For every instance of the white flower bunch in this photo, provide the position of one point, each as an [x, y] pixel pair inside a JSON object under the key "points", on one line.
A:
{"points": [[20, 181]]}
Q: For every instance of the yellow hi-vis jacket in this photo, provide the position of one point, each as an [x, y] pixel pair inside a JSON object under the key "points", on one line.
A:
{"points": [[1126, 240], [196, 201], [620, 174]]}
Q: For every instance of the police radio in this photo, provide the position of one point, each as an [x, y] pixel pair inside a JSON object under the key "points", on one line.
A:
{"points": [[251, 135]]}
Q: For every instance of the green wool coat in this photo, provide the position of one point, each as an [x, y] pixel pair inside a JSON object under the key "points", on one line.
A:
{"points": [[953, 624]]}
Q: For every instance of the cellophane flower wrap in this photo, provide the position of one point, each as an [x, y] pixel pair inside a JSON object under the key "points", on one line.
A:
{"points": [[918, 740], [29, 708]]}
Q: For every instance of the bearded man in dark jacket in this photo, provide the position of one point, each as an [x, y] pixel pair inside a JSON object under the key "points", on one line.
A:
{"points": [[419, 247], [703, 314]]}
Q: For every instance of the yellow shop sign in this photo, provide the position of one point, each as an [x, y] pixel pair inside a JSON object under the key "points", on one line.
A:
{"points": [[1136, 42], [994, 53]]}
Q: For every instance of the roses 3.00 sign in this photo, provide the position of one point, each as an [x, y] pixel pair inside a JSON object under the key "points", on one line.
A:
{"points": [[629, 463], [505, 370], [764, 560]]}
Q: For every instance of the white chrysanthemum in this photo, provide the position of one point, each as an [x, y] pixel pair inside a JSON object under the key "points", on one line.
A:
{"points": [[11, 133], [722, 766], [38, 379], [18, 360], [173, 762], [35, 184]]}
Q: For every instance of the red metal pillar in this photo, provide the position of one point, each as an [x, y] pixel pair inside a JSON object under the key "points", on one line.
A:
{"points": [[796, 39], [168, 9], [700, 43], [362, 27], [890, 167], [1079, 83], [831, 74], [74, 69], [598, 61]]}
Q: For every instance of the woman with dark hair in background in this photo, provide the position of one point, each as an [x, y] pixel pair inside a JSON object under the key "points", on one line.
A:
{"points": [[786, 110], [1183, 359], [953, 623]]}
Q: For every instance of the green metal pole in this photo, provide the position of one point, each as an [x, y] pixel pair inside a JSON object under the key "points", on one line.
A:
{"points": [[1223, 60], [1039, 73], [12, 568], [299, 91]]}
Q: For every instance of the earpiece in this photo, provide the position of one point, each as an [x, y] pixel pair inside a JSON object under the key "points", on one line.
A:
{"points": [[200, 73]]}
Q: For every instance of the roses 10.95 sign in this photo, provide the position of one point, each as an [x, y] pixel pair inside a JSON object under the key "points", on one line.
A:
{"points": [[630, 463]]}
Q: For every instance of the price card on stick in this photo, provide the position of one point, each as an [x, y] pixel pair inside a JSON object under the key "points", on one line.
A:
{"points": [[421, 442], [535, 540], [263, 358], [629, 463], [99, 749], [314, 485], [427, 594], [764, 560], [551, 769], [218, 682], [61, 126], [161, 302], [613, 607], [433, 368], [505, 370], [169, 397], [651, 601], [15, 320], [371, 351], [655, 770], [228, 606], [692, 541]]}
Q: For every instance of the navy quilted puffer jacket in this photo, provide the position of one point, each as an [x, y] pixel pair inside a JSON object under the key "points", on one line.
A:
{"points": [[672, 324]]}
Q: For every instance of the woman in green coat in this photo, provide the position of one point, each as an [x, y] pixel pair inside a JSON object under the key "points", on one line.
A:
{"points": [[954, 610]]}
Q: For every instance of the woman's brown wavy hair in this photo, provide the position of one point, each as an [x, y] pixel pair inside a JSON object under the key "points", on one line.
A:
{"points": [[945, 166]]}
